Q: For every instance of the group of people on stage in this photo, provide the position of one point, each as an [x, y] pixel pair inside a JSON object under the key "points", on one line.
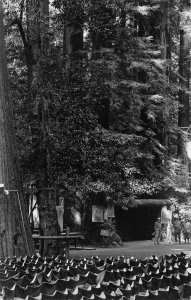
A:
{"points": [[172, 231]]}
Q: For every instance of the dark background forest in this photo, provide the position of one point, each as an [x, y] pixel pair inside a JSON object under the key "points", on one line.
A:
{"points": [[100, 93]]}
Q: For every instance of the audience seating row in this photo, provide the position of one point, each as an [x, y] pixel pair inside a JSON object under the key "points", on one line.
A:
{"points": [[58, 278]]}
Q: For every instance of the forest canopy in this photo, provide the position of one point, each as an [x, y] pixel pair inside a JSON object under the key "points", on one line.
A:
{"points": [[100, 94]]}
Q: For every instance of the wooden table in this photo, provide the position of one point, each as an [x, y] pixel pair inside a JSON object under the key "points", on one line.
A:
{"points": [[63, 237]]}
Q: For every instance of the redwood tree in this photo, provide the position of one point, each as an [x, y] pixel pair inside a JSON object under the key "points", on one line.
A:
{"points": [[184, 71], [15, 234]]}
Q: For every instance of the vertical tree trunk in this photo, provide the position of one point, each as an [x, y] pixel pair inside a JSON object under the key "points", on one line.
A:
{"points": [[72, 42], [99, 41], [48, 221], [15, 233], [47, 202], [165, 55], [38, 34], [43, 79], [184, 71]]}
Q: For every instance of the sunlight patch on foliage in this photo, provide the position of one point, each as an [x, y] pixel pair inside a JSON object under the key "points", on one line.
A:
{"points": [[157, 98], [145, 9], [178, 177], [98, 186]]}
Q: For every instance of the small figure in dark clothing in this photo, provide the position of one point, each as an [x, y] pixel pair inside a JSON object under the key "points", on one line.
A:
{"points": [[178, 226], [186, 230], [157, 228]]}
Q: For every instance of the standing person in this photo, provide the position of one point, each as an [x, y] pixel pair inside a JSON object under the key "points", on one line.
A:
{"points": [[186, 230], [157, 228], [163, 232], [178, 226], [169, 233], [60, 209]]}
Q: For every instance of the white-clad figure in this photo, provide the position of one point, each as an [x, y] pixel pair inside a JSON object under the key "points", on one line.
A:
{"points": [[166, 215], [169, 233], [166, 219], [60, 211]]}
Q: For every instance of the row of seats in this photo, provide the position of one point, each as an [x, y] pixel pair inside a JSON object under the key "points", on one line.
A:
{"points": [[120, 278]]}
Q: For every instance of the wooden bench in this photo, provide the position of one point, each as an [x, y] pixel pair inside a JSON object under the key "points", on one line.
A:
{"points": [[63, 236], [78, 236]]}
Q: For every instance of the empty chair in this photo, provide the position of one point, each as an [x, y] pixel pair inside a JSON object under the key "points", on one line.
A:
{"points": [[185, 291]]}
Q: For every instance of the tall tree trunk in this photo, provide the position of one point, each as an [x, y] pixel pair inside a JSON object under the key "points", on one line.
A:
{"points": [[165, 55], [101, 40], [184, 71], [43, 79], [29, 56], [38, 27], [37, 33], [72, 42], [15, 233]]}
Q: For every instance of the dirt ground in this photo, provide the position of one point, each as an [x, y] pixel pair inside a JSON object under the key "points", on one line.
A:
{"points": [[137, 249]]}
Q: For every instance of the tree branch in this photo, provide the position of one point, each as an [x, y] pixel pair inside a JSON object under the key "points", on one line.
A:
{"points": [[18, 22], [22, 9], [27, 46]]}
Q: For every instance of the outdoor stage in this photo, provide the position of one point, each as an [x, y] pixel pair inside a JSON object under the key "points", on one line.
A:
{"points": [[138, 249]]}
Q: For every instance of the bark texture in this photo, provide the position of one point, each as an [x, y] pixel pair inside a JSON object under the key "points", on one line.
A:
{"points": [[38, 32], [48, 222], [165, 43], [184, 70], [15, 233], [72, 43]]}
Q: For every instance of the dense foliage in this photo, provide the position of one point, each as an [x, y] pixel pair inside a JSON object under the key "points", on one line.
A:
{"points": [[96, 96]]}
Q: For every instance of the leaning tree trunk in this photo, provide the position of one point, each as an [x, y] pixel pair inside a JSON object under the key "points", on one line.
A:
{"points": [[15, 233]]}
